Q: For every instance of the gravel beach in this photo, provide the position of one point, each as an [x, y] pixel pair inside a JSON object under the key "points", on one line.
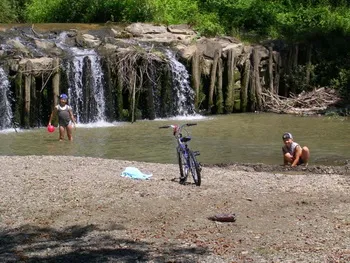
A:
{"points": [[79, 209]]}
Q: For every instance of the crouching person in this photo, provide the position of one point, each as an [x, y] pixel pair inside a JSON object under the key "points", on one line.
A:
{"points": [[293, 153]]}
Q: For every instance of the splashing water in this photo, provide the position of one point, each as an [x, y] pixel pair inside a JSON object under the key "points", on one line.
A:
{"points": [[87, 107], [184, 99], [5, 108], [98, 86], [81, 106]]}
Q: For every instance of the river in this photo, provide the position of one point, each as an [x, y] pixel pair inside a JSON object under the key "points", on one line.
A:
{"points": [[235, 138]]}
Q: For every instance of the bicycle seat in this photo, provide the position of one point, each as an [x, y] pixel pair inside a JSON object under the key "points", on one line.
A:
{"points": [[185, 139]]}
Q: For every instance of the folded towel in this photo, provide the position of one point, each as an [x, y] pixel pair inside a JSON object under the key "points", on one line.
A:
{"points": [[134, 173]]}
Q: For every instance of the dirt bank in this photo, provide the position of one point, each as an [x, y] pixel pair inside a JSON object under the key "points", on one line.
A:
{"points": [[75, 209]]}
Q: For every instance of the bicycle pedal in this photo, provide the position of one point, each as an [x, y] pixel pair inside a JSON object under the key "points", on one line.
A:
{"points": [[196, 153]]}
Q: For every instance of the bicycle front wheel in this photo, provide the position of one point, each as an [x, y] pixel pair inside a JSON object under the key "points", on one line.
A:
{"points": [[195, 169], [182, 166]]}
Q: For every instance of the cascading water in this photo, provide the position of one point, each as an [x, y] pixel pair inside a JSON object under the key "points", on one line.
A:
{"points": [[184, 94], [87, 107], [5, 106], [85, 80], [86, 87]]}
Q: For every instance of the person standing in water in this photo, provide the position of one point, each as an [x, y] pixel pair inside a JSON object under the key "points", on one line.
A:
{"points": [[293, 153], [66, 119]]}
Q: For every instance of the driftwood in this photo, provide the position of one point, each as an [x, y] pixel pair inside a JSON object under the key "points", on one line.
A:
{"points": [[305, 103]]}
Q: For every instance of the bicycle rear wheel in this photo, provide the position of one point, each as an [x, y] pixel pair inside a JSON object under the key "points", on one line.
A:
{"points": [[195, 168], [182, 166]]}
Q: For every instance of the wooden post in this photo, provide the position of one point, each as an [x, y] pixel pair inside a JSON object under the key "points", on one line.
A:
{"points": [[245, 85], [229, 98], [34, 106], [217, 55], [277, 73], [295, 55], [133, 94], [256, 87], [220, 97], [119, 96], [271, 69], [27, 87], [56, 80], [18, 113], [196, 77], [294, 65], [308, 64], [151, 111]]}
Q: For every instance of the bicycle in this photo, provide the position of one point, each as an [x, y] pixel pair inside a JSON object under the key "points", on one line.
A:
{"points": [[187, 158]]}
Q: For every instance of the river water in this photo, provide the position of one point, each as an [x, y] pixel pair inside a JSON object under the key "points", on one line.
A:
{"points": [[242, 138]]}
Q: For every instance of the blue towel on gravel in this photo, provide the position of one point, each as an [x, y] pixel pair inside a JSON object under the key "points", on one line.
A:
{"points": [[134, 173]]}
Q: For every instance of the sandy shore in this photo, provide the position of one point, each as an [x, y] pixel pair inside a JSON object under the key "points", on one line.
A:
{"points": [[76, 209]]}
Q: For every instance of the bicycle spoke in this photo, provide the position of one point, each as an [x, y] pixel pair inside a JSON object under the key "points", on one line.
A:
{"points": [[195, 169], [183, 167]]}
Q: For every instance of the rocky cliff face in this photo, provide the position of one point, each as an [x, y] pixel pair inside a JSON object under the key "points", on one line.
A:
{"points": [[135, 75]]}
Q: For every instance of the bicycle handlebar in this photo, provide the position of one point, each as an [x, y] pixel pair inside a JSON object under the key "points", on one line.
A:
{"points": [[173, 126], [176, 128]]}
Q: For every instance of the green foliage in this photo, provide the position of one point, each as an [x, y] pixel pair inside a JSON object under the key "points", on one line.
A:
{"points": [[324, 23], [342, 83], [209, 24], [43, 11], [297, 19], [86, 11], [7, 14], [135, 11], [125, 115], [174, 11], [279, 18], [311, 22]]}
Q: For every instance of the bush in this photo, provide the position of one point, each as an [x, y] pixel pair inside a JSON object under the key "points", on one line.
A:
{"points": [[342, 83], [41, 11], [173, 11], [7, 13], [209, 24], [87, 11]]}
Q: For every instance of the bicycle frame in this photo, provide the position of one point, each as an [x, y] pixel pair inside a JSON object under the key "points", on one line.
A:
{"points": [[186, 157]]}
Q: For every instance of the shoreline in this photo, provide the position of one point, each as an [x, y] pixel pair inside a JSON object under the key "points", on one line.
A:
{"points": [[64, 208]]}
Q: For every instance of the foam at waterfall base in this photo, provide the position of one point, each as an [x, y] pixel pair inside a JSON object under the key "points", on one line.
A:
{"points": [[11, 130], [100, 124], [184, 118]]}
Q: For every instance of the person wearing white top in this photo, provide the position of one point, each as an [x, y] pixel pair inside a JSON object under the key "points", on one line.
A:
{"points": [[293, 153]]}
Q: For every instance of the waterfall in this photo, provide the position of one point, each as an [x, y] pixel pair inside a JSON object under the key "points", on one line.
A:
{"points": [[184, 94], [85, 80], [5, 106]]}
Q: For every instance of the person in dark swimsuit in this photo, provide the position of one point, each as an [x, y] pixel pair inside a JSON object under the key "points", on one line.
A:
{"points": [[66, 119], [293, 153]]}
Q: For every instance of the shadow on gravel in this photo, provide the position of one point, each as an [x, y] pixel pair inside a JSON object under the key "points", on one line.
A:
{"points": [[85, 244], [313, 169]]}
